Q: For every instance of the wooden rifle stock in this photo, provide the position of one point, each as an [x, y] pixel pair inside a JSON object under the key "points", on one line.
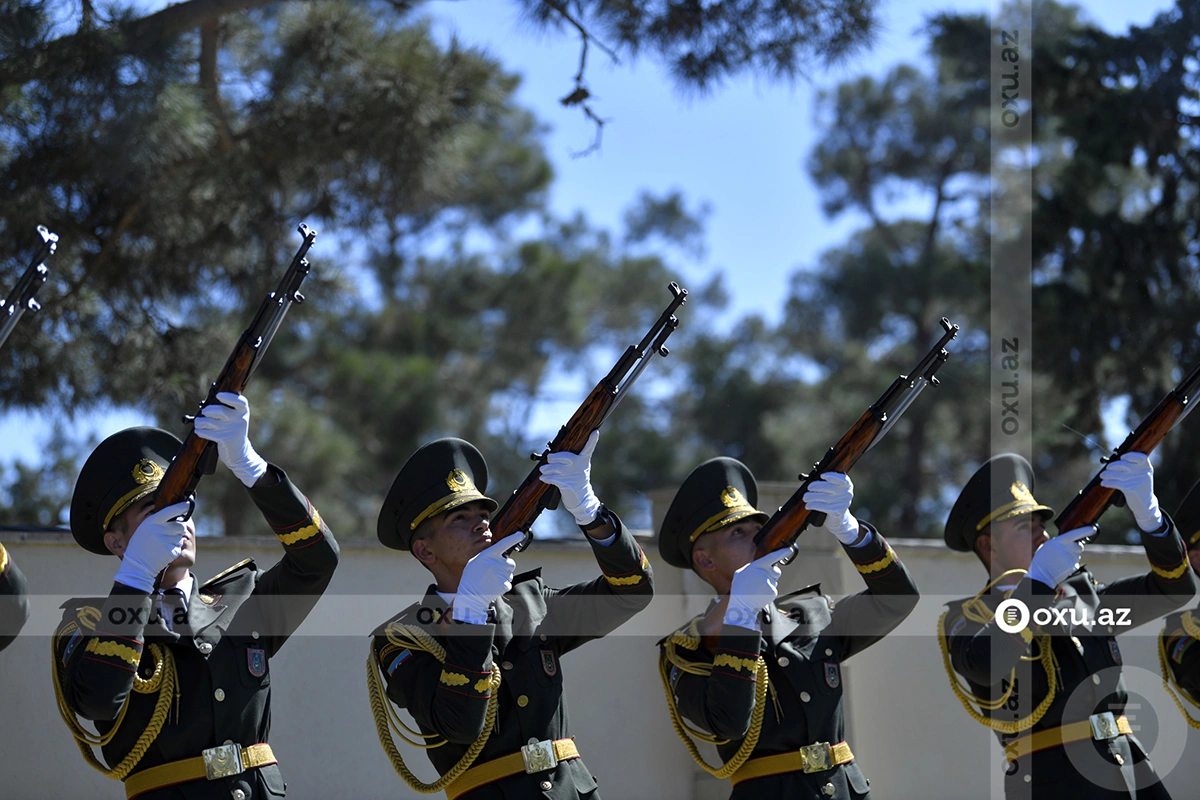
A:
{"points": [[196, 456], [1093, 500], [785, 525], [533, 496]]}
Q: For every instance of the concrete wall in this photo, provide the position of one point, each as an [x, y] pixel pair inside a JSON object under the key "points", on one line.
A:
{"points": [[912, 738]]}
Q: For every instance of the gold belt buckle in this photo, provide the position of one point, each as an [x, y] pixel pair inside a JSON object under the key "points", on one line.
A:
{"points": [[223, 761], [816, 757], [539, 756], [1104, 726]]}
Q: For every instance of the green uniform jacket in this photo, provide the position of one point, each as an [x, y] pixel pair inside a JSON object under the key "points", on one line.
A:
{"points": [[534, 627], [14, 605], [1089, 678], [234, 624], [803, 644], [1183, 657]]}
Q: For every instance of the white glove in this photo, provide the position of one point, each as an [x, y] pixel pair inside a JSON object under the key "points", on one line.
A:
{"points": [[1133, 476], [486, 576], [1054, 561], [228, 425], [831, 495], [754, 585], [572, 475], [155, 544]]}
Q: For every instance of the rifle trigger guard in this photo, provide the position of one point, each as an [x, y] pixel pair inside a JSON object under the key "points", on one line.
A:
{"points": [[521, 545], [191, 501], [789, 558]]}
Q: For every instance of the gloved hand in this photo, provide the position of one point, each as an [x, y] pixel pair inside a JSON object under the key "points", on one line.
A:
{"points": [[572, 475], [1133, 476], [486, 576], [832, 494], [155, 544], [1058, 558], [754, 585], [229, 426]]}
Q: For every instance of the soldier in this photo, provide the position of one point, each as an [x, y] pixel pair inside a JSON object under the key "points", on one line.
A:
{"points": [[175, 673], [792, 649], [476, 662], [1055, 694], [14, 605], [1179, 657]]}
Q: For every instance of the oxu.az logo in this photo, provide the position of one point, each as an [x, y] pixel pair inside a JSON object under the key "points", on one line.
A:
{"points": [[1013, 616]]}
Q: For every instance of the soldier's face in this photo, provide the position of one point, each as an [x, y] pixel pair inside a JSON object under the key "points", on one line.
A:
{"points": [[125, 526], [461, 534], [1014, 541], [728, 549]]}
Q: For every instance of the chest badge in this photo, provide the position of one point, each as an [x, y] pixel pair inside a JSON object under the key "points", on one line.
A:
{"points": [[1115, 649], [256, 661], [548, 662], [833, 674]]}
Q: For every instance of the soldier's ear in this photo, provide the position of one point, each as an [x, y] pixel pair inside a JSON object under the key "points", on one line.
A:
{"points": [[701, 560], [983, 548], [115, 542], [423, 552]]}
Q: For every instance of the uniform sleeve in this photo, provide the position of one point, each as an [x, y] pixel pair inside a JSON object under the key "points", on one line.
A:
{"points": [[98, 651], [448, 698], [585, 611], [289, 590], [14, 603], [862, 619], [1169, 584], [723, 701]]}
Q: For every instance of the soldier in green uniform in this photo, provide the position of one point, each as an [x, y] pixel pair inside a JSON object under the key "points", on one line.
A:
{"points": [[14, 605], [1054, 693], [1179, 656], [176, 674], [477, 661], [769, 693]]}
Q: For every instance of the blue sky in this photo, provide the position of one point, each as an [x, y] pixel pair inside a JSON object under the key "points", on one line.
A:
{"points": [[740, 149]]}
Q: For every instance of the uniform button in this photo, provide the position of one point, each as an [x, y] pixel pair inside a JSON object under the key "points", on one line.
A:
{"points": [[829, 789], [238, 794], [219, 694], [828, 652], [1096, 679], [805, 696], [546, 786], [507, 665], [1027, 778], [784, 661], [542, 637], [253, 634], [1120, 759], [227, 741], [204, 647], [522, 701]]}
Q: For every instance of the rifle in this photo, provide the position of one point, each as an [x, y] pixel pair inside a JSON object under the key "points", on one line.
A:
{"points": [[20, 299], [532, 496], [1093, 500], [785, 525], [197, 457]]}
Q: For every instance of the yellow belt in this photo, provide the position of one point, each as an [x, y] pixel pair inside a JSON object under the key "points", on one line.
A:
{"points": [[1065, 734], [504, 766], [810, 758], [217, 762]]}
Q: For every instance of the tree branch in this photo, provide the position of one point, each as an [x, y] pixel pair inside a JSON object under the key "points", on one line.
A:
{"points": [[580, 92], [209, 82]]}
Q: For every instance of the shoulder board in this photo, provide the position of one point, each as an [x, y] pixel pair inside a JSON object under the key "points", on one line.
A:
{"points": [[813, 589], [407, 615], [531, 575], [246, 564], [80, 613], [80, 602]]}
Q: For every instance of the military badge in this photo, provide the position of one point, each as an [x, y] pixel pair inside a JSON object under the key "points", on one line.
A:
{"points": [[1115, 650], [398, 661], [676, 674], [1180, 648], [958, 625], [548, 663], [833, 674], [256, 661], [209, 599], [72, 643]]}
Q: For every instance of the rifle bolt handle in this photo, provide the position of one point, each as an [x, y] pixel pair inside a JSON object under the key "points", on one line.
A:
{"points": [[663, 351], [297, 297], [34, 305]]}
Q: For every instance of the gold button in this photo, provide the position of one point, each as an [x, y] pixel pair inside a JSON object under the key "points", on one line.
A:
{"points": [[545, 786], [522, 701], [507, 665], [1096, 679], [829, 789], [219, 694], [253, 634], [805, 696], [828, 652], [784, 661], [1120, 759]]}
